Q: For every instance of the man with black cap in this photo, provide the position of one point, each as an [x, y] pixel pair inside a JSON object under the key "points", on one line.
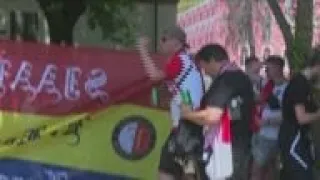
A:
{"points": [[180, 75], [299, 110]]}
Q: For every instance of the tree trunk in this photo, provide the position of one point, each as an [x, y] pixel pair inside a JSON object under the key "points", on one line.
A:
{"points": [[299, 45], [285, 29], [249, 30], [281, 20], [60, 32], [62, 16], [304, 29]]}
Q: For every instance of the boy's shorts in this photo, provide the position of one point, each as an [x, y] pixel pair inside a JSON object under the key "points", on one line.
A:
{"points": [[263, 149]]}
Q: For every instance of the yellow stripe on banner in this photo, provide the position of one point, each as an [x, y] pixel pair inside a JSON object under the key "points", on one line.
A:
{"points": [[82, 143], [19, 129]]}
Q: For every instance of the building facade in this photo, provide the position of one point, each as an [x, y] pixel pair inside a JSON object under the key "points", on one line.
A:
{"points": [[207, 22]]}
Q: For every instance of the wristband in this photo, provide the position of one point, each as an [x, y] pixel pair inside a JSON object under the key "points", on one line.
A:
{"points": [[155, 96]]}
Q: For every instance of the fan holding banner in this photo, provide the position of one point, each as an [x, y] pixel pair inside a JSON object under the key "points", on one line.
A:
{"points": [[180, 75]]}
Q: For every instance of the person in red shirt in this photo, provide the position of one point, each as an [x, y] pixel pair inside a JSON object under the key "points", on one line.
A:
{"points": [[253, 67], [180, 75]]}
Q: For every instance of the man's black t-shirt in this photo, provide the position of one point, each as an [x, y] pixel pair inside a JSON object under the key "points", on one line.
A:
{"points": [[294, 137], [298, 92], [229, 86]]}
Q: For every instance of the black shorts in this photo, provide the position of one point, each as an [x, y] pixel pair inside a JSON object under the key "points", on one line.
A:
{"points": [[167, 163], [241, 157], [296, 166], [241, 154], [297, 159], [291, 170]]}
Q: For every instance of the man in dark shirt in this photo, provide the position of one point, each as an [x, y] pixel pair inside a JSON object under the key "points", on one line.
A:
{"points": [[231, 89], [299, 110]]}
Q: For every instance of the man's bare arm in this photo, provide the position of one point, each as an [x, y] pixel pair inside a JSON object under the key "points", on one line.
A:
{"points": [[208, 116], [150, 67], [303, 117]]}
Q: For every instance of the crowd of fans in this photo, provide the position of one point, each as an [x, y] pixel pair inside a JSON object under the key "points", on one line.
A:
{"points": [[269, 115]]}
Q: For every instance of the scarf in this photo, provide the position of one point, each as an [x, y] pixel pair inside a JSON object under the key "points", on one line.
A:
{"points": [[266, 91], [225, 119]]}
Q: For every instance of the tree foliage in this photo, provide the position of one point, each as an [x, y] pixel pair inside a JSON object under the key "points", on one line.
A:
{"points": [[298, 37], [113, 17], [299, 41]]}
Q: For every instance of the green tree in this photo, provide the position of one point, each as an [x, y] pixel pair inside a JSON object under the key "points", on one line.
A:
{"points": [[112, 16], [298, 40]]}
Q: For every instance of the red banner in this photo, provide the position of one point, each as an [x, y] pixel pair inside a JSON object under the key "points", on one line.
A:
{"points": [[55, 80]]}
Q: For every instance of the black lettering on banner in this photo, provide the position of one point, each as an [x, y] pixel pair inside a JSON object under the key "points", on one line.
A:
{"points": [[34, 134], [54, 133], [74, 129], [10, 141], [31, 135], [21, 142]]}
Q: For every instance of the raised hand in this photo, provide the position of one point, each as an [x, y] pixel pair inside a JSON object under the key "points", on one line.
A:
{"points": [[152, 71]]}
